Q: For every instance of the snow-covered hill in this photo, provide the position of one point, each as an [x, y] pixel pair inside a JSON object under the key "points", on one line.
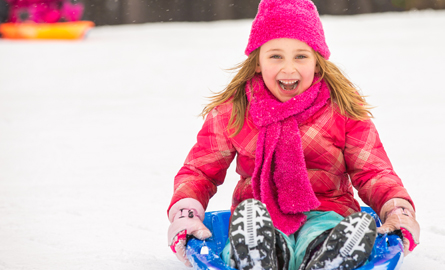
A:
{"points": [[92, 132]]}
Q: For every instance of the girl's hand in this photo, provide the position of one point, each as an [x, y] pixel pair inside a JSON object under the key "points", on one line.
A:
{"points": [[398, 214], [186, 218]]}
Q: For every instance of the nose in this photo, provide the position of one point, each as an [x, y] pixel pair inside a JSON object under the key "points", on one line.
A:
{"points": [[289, 67]]}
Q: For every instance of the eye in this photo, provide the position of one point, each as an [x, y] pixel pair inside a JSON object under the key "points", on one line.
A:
{"points": [[300, 56], [275, 56]]}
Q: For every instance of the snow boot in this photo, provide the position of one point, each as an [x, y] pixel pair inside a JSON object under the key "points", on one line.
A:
{"points": [[348, 245], [252, 237], [283, 252]]}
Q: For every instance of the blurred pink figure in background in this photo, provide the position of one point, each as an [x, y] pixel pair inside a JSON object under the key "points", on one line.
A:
{"points": [[44, 11]]}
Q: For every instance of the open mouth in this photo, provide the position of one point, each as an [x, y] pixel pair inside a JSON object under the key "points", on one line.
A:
{"points": [[288, 85]]}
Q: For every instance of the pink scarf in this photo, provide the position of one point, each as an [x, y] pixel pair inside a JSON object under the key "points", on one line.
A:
{"points": [[280, 178]]}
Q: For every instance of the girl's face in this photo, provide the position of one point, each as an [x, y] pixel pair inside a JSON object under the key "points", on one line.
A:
{"points": [[287, 66]]}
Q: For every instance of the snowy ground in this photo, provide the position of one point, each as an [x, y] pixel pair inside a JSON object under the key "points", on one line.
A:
{"points": [[93, 132]]}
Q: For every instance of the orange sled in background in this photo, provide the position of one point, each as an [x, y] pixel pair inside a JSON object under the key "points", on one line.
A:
{"points": [[59, 30]]}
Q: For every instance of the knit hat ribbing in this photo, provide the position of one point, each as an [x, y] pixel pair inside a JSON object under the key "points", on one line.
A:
{"points": [[296, 19]]}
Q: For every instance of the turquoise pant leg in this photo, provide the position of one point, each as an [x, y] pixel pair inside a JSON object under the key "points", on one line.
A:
{"points": [[225, 254], [317, 222]]}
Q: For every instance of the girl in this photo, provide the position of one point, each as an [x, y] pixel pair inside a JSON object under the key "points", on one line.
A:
{"points": [[303, 138]]}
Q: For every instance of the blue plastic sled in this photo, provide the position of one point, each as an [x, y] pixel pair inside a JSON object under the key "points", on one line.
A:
{"points": [[387, 252]]}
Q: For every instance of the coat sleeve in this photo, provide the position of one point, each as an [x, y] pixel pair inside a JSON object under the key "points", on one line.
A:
{"points": [[369, 167], [207, 162]]}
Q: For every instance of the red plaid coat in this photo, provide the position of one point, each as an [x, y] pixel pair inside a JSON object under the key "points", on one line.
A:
{"points": [[340, 154]]}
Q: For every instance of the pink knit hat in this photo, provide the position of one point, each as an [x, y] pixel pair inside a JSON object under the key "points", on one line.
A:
{"points": [[297, 19]]}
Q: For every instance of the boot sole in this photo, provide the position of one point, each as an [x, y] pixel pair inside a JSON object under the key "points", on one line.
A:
{"points": [[252, 236], [348, 245]]}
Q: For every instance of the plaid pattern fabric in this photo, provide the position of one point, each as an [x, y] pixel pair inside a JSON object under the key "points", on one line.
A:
{"points": [[340, 154]]}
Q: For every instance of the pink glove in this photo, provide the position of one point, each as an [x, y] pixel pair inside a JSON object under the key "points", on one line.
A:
{"points": [[399, 214], [186, 217]]}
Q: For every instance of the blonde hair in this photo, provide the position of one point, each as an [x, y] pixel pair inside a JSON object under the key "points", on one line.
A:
{"points": [[343, 92]]}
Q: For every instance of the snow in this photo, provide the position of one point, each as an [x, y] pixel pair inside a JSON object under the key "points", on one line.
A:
{"points": [[93, 132]]}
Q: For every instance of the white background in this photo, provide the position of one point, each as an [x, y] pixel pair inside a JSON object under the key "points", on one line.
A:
{"points": [[92, 132]]}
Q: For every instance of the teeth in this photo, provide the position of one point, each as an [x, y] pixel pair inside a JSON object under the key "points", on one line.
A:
{"points": [[287, 82]]}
